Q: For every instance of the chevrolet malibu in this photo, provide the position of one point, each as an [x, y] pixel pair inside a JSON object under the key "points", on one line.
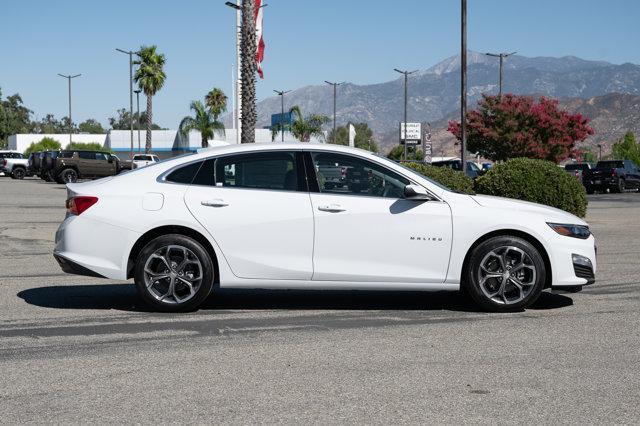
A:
{"points": [[266, 216]]}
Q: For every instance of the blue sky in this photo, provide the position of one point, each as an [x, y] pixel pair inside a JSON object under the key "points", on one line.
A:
{"points": [[307, 42]]}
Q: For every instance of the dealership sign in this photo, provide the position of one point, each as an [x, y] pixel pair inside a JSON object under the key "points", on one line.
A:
{"points": [[411, 133]]}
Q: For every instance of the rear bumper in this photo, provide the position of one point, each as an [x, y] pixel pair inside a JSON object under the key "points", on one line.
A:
{"points": [[89, 247]]}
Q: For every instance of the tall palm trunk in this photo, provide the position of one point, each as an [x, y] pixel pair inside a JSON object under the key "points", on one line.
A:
{"points": [[147, 146], [248, 50], [205, 142]]}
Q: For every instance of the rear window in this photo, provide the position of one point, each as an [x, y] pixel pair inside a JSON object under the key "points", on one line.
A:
{"points": [[576, 167], [87, 155], [184, 174], [607, 165]]}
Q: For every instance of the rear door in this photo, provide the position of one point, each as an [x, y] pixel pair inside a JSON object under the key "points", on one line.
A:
{"points": [[257, 208]]}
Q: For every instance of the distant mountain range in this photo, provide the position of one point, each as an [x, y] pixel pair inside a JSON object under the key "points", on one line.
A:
{"points": [[434, 93]]}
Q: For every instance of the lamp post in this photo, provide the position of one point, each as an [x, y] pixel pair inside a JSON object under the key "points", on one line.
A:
{"points": [[599, 152], [406, 82], [130, 53], [69, 77], [335, 87], [138, 118], [238, 82], [281, 93], [502, 56], [463, 85]]}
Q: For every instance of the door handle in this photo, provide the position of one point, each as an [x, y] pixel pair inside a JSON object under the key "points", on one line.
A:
{"points": [[332, 208], [214, 203]]}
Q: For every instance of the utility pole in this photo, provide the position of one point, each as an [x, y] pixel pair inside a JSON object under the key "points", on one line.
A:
{"points": [[406, 82], [238, 82], [138, 119], [69, 77], [130, 53], [281, 93], [600, 152], [335, 86], [463, 85], [502, 56]]}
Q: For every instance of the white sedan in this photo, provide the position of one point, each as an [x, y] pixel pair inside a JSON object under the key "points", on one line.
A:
{"points": [[266, 216]]}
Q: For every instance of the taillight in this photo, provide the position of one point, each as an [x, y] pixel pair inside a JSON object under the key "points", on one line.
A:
{"points": [[343, 171], [77, 205], [4, 161], [614, 172]]}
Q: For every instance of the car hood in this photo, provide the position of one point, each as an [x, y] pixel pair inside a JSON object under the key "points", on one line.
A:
{"points": [[550, 214]]}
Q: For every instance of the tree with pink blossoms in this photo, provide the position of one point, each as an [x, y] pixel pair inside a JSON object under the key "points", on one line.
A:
{"points": [[519, 126]]}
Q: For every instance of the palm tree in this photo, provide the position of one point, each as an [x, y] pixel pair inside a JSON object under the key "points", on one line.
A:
{"points": [[304, 128], [248, 51], [204, 121], [150, 77], [216, 101]]}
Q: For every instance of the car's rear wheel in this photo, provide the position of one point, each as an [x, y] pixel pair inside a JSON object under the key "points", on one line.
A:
{"points": [[505, 273], [174, 273], [68, 176], [18, 173]]}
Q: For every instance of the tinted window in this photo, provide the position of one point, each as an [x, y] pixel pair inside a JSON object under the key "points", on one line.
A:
{"points": [[576, 167], [607, 165], [87, 155], [67, 154], [344, 174], [268, 170], [101, 156], [184, 174]]}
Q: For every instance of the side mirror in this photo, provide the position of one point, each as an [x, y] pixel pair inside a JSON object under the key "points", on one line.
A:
{"points": [[415, 192]]}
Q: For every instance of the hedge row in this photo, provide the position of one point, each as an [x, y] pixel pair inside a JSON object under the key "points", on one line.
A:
{"points": [[526, 179]]}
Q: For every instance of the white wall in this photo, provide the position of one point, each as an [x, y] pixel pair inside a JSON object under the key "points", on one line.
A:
{"points": [[21, 142]]}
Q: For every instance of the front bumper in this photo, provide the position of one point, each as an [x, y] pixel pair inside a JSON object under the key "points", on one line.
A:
{"points": [[573, 261]]}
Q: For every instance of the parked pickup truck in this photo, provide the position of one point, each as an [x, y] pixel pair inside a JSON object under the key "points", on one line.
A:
{"points": [[13, 164], [614, 175], [142, 160], [68, 166]]}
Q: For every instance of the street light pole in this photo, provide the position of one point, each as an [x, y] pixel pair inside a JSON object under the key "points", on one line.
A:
{"points": [[600, 152], [502, 56], [238, 82], [406, 82], [138, 118], [463, 85], [335, 86], [69, 77], [130, 53], [281, 93]]}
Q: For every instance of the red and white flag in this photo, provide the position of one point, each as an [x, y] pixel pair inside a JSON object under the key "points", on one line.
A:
{"points": [[259, 40]]}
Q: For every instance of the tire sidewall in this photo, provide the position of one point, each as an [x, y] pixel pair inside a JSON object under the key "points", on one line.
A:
{"points": [[197, 249], [470, 276], [18, 173], [67, 173]]}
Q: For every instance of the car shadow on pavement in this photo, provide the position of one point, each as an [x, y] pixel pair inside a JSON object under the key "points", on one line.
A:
{"points": [[124, 297]]}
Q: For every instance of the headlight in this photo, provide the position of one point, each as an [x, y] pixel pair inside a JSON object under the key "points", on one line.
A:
{"points": [[568, 230]]}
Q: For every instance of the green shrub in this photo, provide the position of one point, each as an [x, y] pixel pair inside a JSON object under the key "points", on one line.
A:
{"points": [[538, 181], [89, 146], [452, 179], [46, 144]]}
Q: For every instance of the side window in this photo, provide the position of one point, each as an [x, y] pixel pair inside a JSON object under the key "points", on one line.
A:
{"points": [[101, 156], [344, 174], [184, 174], [66, 154], [86, 155], [261, 170]]}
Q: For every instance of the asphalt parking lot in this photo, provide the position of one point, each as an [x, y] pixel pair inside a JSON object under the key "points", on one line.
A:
{"points": [[78, 349]]}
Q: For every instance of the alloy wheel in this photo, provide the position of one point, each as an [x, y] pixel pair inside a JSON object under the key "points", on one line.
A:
{"points": [[173, 274], [70, 176], [507, 275]]}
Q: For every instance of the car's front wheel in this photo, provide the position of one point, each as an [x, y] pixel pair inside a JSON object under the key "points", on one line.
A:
{"points": [[174, 273], [18, 173], [505, 273]]}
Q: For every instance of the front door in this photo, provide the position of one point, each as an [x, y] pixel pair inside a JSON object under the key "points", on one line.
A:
{"points": [[257, 208], [365, 230]]}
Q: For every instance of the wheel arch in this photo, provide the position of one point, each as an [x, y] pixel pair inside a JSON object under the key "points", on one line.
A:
{"points": [[513, 233], [171, 229]]}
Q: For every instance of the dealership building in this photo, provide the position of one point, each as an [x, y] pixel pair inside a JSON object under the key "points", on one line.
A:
{"points": [[165, 143]]}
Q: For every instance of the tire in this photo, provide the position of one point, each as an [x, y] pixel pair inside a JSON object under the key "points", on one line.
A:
{"points": [[495, 288], [68, 176], [18, 173], [157, 292], [48, 177]]}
